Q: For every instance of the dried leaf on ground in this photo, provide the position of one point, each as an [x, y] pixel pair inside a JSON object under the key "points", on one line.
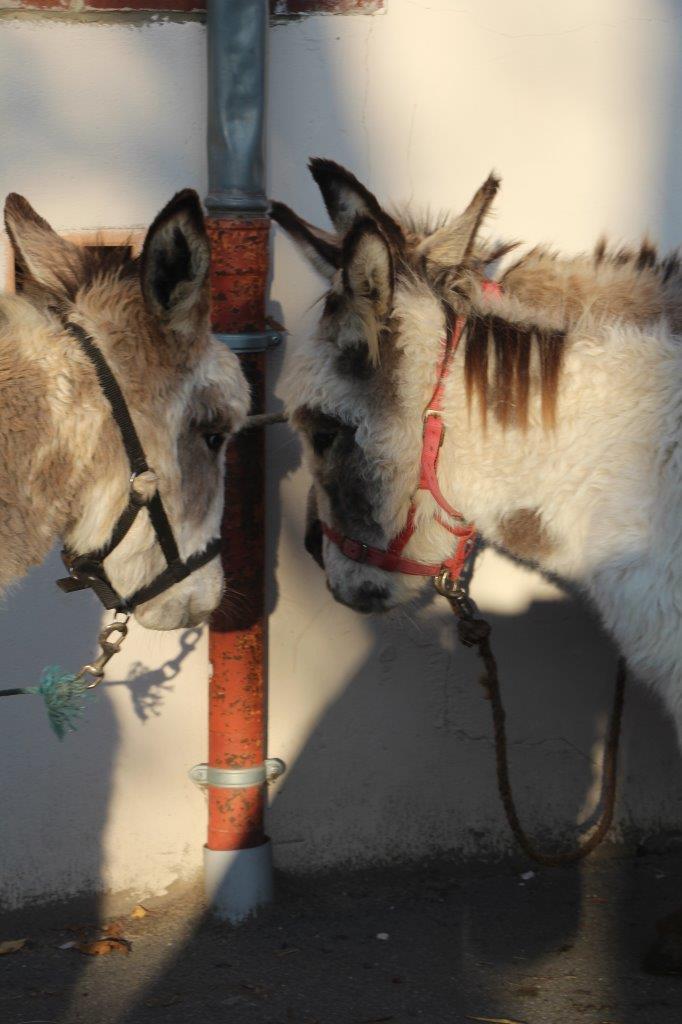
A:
{"points": [[139, 911], [12, 946], [102, 947], [114, 929]]}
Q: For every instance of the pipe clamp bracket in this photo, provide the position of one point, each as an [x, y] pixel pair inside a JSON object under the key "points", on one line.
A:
{"points": [[204, 775], [250, 341]]}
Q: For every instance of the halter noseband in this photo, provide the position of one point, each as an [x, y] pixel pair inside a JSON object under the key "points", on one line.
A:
{"points": [[88, 570], [391, 558]]}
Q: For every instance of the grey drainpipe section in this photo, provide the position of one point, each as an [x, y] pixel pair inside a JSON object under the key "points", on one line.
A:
{"points": [[236, 106]]}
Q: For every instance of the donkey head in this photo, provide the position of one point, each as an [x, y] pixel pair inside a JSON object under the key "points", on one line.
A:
{"points": [[185, 393], [359, 388]]}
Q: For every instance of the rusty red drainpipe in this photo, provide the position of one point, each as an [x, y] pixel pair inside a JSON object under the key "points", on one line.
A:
{"points": [[238, 869]]}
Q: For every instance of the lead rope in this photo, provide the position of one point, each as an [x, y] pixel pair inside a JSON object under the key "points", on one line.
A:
{"points": [[475, 632]]}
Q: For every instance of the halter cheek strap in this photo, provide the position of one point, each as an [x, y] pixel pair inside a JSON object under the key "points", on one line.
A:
{"points": [[87, 570], [391, 559]]}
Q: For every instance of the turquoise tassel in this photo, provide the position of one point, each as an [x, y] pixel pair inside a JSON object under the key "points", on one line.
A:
{"points": [[63, 693]]}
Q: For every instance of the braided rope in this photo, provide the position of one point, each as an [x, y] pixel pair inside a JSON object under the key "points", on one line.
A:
{"points": [[476, 633]]}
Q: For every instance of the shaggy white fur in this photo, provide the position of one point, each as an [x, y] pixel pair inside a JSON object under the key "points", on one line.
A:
{"points": [[601, 489]]}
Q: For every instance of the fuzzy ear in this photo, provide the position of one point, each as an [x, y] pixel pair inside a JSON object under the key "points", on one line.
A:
{"points": [[175, 262], [48, 259], [368, 275], [321, 248], [451, 245], [346, 199]]}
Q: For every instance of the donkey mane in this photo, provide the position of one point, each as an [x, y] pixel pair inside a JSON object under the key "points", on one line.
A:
{"points": [[95, 262], [645, 257], [605, 256], [505, 350], [545, 295], [501, 378], [112, 260]]}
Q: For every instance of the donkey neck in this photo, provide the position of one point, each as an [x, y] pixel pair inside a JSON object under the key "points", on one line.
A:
{"points": [[53, 430]]}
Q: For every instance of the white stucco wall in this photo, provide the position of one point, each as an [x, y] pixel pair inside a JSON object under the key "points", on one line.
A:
{"points": [[381, 721]]}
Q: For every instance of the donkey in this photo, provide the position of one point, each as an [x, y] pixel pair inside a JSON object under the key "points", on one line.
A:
{"points": [[105, 361], [559, 416]]}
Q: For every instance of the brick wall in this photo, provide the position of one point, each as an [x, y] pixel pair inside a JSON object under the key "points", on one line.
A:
{"points": [[279, 8]]}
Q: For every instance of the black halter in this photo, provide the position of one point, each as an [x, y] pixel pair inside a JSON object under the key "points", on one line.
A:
{"points": [[88, 570]]}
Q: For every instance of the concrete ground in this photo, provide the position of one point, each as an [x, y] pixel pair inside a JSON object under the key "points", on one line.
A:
{"points": [[434, 943]]}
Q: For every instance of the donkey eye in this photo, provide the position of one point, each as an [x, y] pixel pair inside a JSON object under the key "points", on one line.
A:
{"points": [[322, 439], [214, 441]]}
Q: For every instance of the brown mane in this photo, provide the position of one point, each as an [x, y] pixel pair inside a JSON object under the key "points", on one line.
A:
{"points": [[497, 368], [94, 262], [631, 285]]}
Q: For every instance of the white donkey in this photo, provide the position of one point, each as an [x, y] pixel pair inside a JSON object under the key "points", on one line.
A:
{"points": [[560, 418], [115, 404]]}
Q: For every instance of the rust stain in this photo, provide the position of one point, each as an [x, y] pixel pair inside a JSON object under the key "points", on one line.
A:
{"points": [[237, 636]]}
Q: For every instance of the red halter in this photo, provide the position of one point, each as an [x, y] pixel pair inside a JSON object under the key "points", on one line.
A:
{"points": [[391, 558]]}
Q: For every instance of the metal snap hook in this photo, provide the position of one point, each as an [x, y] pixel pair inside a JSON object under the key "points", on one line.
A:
{"points": [[108, 649], [453, 589]]}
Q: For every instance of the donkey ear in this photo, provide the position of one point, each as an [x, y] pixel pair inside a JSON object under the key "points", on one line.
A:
{"points": [[451, 245], [321, 248], [346, 198], [175, 262], [368, 265], [50, 261], [368, 275]]}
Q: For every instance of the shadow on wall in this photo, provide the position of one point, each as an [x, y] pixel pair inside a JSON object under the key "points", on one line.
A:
{"points": [[557, 674]]}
